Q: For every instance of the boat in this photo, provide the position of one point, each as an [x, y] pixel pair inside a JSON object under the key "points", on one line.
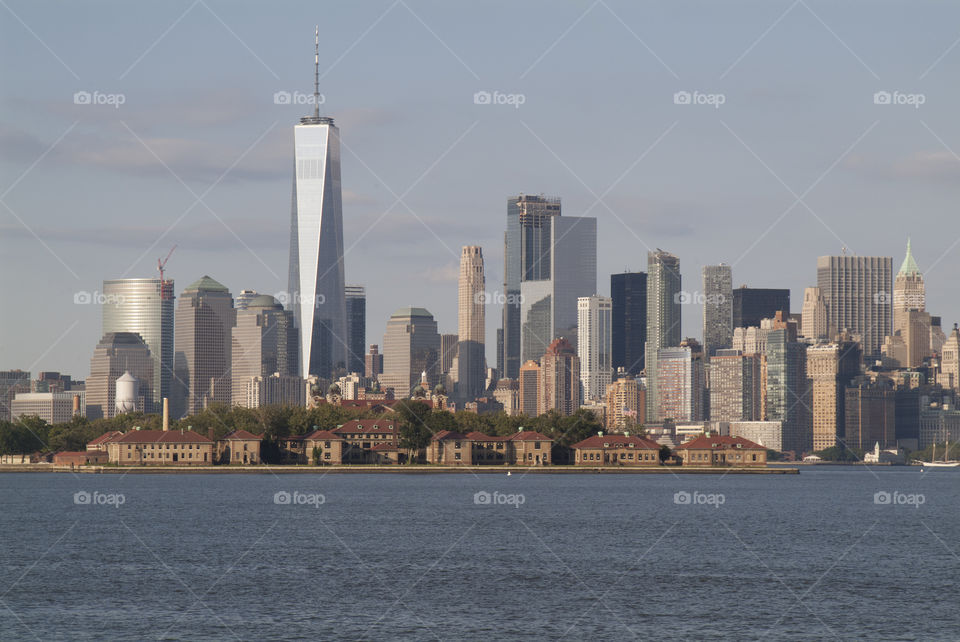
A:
{"points": [[933, 463]]}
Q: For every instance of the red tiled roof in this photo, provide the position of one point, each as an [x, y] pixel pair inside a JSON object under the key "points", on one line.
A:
{"points": [[381, 426], [241, 435], [161, 436], [617, 440], [528, 435], [719, 442], [447, 434], [105, 437], [325, 435]]}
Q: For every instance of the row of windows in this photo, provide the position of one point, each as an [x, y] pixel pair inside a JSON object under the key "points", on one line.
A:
{"points": [[161, 446], [646, 456]]}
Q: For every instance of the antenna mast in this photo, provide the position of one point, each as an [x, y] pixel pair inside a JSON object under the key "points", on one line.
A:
{"points": [[316, 73]]}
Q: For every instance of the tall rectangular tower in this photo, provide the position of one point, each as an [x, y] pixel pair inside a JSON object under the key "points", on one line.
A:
{"points": [[663, 318], [471, 325], [316, 284], [356, 302], [594, 345], [858, 294], [717, 308], [628, 292]]}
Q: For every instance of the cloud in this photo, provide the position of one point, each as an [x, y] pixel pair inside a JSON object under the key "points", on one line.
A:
{"points": [[928, 165]]}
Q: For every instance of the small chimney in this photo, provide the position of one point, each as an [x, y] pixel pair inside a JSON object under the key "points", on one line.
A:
{"points": [[626, 433], [600, 434], [166, 414], [210, 433], [76, 405]]}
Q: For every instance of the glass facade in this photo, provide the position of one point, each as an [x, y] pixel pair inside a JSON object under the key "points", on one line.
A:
{"points": [[629, 326], [663, 318], [138, 305], [316, 285], [356, 301]]}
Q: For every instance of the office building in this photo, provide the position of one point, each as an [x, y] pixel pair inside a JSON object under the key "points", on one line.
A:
{"points": [[373, 362], [768, 434], [11, 383], [144, 307], [316, 285], [263, 343], [950, 361], [717, 308], [735, 387], [471, 325], [869, 414], [788, 390], [626, 403], [559, 388], [355, 297], [529, 389], [663, 319], [241, 300], [52, 407], [830, 367], [814, 324], [204, 320], [411, 349], [594, 345], [857, 293], [681, 381], [628, 292], [527, 254], [751, 305], [116, 354]]}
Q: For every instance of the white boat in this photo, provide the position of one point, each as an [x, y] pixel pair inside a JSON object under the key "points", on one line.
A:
{"points": [[933, 463]]}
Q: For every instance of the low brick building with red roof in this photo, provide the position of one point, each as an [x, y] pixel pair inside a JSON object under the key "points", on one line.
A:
{"points": [[530, 448], [161, 447], [323, 447], [100, 443], [80, 458], [527, 447], [616, 450], [721, 450], [449, 447], [239, 447]]}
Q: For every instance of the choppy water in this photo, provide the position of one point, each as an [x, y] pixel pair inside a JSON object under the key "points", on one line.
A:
{"points": [[195, 557]]}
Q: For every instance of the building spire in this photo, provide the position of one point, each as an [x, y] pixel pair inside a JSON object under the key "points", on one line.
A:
{"points": [[909, 265], [316, 72]]}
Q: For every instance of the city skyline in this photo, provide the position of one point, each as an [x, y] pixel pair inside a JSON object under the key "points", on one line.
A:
{"points": [[247, 251]]}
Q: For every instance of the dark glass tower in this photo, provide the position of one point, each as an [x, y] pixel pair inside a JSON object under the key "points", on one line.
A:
{"points": [[629, 294], [752, 304], [356, 299]]}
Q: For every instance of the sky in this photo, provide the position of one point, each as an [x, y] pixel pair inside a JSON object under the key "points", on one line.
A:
{"points": [[810, 127]]}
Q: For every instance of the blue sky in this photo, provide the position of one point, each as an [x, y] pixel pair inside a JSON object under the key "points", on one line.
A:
{"points": [[797, 162]]}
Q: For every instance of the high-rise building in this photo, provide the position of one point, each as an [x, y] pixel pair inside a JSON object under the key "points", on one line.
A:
{"points": [[813, 317], [628, 292], [594, 345], [411, 348], [681, 382], [241, 300], [911, 322], [869, 414], [471, 325], [52, 407], [448, 356], [356, 302], [548, 307], [937, 337], [11, 382], [788, 390], [201, 360], [527, 249], [663, 319], [316, 285], [117, 353], [51, 382], [625, 403], [507, 394], [529, 389], [145, 307], [735, 386], [717, 308], [750, 305], [830, 367], [909, 292], [263, 344], [373, 362], [856, 290], [559, 379], [950, 361]]}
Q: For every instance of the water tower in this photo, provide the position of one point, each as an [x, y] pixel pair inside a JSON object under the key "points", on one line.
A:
{"points": [[127, 393]]}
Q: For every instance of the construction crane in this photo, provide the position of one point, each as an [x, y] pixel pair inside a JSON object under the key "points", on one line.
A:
{"points": [[165, 292]]}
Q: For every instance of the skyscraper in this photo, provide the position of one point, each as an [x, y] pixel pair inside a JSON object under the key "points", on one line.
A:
{"points": [[548, 305], [856, 290], [813, 316], [681, 382], [625, 403], [830, 367], [911, 321], [529, 387], [145, 306], [527, 248], [263, 343], [373, 362], [594, 345], [316, 285], [117, 352], [628, 292], [201, 361], [411, 346], [559, 387], [788, 390], [717, 308], [356, 301], [11, 382], [471, 325], [751, 305], [735, 386], [663, 318], [950, 361]]}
